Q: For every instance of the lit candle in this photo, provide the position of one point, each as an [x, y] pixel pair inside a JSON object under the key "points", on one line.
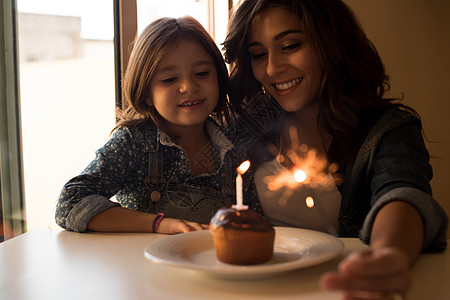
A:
{"points": [[239, 200]]}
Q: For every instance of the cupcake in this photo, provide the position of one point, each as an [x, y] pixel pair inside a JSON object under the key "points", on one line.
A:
{"points": [[242, 237]]}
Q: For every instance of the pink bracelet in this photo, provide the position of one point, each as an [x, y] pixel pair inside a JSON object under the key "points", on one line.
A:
{"points": [[157, 220]]}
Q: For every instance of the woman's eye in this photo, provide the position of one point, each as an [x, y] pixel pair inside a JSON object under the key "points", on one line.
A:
{"points": [[255, 56], [291, 47]]}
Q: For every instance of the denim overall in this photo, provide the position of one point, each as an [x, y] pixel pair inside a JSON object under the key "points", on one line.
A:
{"points": [[178, 196]]}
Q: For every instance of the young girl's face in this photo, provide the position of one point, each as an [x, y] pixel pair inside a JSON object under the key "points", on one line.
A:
{"points": [[283, 60], [185, 88]]}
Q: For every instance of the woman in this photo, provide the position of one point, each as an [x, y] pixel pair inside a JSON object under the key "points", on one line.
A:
{"points": [[314, 59]]}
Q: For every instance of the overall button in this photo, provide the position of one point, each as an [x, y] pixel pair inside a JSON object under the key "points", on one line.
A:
{"points": [[155, 196]]}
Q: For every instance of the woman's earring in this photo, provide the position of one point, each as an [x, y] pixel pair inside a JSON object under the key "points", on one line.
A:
{"points": [[263, 89]]}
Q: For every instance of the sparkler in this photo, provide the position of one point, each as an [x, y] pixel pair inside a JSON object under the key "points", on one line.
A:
{"points": [[308, 168]]}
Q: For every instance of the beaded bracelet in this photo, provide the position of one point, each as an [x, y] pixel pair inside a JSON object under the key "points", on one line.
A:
{"points": [[157, 220]]}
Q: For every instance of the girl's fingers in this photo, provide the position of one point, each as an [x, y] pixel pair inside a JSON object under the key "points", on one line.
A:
{"points": [[196, 226], [173, 226], [191, 226]]}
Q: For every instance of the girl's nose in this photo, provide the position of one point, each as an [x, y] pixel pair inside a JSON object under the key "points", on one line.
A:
{"points": [[188, 85]]}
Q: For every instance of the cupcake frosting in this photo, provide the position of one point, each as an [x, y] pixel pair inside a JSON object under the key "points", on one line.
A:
{"points": [[240, 219]]}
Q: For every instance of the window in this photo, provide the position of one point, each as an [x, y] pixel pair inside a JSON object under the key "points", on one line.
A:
{"points": [[68, 84], [67, 94], [213, 15]]}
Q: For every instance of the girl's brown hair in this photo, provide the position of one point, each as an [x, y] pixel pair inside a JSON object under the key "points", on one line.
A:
{"points": [[156, 40]]}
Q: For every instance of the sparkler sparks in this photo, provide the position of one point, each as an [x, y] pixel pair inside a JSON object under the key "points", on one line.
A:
{"points": [[309, 201], [308, 167], [299, 175]]}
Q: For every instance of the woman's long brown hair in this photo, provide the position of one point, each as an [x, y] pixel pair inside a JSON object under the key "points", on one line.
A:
{"points": [[354, 81]]}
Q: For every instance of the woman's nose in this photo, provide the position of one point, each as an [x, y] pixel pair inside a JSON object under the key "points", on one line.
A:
{"points": [[188, 85], [275, 65]]}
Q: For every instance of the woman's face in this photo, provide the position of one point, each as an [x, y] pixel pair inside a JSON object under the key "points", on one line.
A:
{"points": [[283, 60]]}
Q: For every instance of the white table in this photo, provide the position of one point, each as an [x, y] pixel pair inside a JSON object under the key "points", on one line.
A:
{"points": [[56, 264]]}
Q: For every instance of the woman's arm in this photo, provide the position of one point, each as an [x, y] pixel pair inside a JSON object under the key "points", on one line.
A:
{"points": [[398, 225], [384, 268]]}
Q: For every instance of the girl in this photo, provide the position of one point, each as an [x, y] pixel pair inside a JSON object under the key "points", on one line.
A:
{"points": [[166, 162], [314, 59]]}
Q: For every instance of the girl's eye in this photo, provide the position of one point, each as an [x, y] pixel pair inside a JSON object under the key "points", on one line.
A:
{"points": [[169, 80], [202, 74]]}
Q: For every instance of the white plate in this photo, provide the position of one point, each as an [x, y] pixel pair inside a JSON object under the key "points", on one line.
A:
{"points": [[294, 248]]}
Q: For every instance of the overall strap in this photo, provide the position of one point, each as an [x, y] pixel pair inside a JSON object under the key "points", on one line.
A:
{"points": [[155, 177]]}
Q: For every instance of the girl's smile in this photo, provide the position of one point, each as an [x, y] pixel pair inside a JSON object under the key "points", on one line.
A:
{"points": [[192, 104]]}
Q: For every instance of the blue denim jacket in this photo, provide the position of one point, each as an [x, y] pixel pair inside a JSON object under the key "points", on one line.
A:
{"points": [[146, 171], [392, 164]]}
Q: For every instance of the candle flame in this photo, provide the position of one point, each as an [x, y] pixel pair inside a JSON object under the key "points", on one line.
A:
{"points": [[243, 167], [309, 201]]}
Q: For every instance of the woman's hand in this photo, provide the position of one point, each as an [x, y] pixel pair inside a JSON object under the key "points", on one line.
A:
{"points": [[380, 274], [172, 226], [383, 270]]}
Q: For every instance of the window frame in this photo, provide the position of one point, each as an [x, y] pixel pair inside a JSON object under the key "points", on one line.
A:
{"points": [[12, 200], [125, 30]]}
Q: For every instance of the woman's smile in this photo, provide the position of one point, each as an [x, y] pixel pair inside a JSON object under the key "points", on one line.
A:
{"points": [[283, 87]]}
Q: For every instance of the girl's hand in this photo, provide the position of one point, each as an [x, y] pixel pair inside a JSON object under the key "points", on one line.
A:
{"points": [[380, 274], [172, 226]]}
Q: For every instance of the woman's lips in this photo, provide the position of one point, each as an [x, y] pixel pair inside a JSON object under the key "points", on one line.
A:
{"points": [[285, 86]]}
